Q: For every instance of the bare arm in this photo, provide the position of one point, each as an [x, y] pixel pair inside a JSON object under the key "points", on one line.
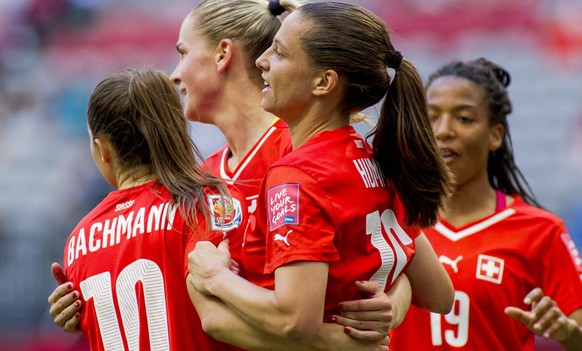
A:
{"points": [[283, 312], [574, 340], [260, 319], [546, 319], [401, 296], [432, 289], [223, 324], [372, 318]]}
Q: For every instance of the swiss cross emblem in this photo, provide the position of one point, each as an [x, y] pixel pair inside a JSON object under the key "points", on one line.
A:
{"points": [[490, 268]]}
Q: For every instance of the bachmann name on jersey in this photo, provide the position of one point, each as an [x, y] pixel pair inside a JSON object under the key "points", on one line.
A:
{"points": [[102, 234]]}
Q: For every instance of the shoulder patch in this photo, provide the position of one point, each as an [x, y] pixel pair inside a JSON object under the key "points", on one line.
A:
{"points": [[283, 205], [225, 213]]}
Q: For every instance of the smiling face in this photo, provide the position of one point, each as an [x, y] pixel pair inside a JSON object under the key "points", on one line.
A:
{"points": [[288, 78], [196, 74], [461, 125]]}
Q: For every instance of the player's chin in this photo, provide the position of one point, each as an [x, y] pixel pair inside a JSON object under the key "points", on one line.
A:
{"points": [[267, 105], [192, 114]]}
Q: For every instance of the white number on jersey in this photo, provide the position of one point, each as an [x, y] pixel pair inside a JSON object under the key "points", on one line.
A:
{"points": [[99, 288], [375, 226], [459, 317]]}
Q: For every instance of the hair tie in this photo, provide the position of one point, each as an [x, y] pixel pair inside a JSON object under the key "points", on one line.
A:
{"points": [[275, 7], [394, 60]]}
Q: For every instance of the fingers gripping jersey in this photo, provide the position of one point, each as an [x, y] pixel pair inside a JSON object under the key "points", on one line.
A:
{"points": [[128, 258], [329, 202], [493, 263]]}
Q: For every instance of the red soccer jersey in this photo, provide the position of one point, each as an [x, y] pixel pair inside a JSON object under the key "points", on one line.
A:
{"points": [[273, 144], [128, 257], [493, 263], [328, 201]]}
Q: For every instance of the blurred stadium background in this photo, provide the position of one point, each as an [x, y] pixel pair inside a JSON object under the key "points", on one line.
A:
{"points": [[53, 52]]}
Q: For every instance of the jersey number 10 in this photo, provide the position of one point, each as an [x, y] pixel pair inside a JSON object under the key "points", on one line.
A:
{"points": [[99, 288], [376, 224]]}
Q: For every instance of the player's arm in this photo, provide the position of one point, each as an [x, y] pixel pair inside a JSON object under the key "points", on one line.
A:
{"points": [[432, 289], [64, 302], [294, 310], [574, 340], [225, 325], [546, 319], [373, 317], [255, 318]]}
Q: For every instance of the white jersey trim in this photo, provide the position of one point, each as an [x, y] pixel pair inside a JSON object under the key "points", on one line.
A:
{"points": [[223, 160], [455, 236]]}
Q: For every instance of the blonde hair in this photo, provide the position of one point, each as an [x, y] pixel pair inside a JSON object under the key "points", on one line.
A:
{"points": [[249, 23]]}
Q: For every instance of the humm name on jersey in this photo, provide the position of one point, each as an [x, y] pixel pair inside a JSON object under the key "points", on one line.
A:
{"points": [[370, 172]]}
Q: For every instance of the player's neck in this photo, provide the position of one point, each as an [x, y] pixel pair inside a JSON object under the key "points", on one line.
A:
{"points": [[242, 121], [469, 203], [132, 179], [242, 136], [309, 123]]}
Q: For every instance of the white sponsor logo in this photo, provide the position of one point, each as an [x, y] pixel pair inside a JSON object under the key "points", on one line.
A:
{"points": [[453, 263], [283, 238], [123, 206]]}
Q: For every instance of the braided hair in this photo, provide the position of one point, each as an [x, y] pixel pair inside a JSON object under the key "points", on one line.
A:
{"points": [[502, 170]]}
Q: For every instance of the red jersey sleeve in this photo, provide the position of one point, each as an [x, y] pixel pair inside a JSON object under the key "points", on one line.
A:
{"points": [[299, 223], [562, 262]]}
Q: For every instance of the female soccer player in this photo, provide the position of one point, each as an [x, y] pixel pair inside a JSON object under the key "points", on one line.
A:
{"points": [[218, 43], [334, 210], [507, 257], [129, 253]]}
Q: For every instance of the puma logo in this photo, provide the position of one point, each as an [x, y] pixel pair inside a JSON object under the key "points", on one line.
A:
{"points": [[452, 263], [283, 238]]}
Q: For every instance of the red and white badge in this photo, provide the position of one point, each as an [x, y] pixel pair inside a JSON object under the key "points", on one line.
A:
{"points": [[490, 268], [283, 205], [226, 213]]}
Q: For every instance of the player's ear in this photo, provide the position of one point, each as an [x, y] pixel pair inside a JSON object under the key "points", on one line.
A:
{"points": [[104, 149], [496, 137], [223, 54], [325, 82]]}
